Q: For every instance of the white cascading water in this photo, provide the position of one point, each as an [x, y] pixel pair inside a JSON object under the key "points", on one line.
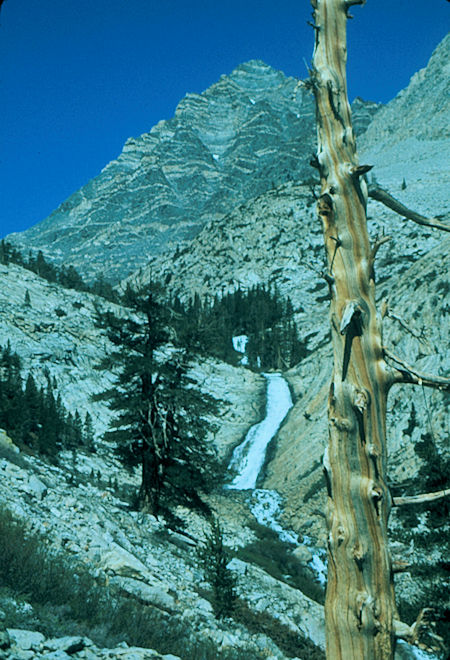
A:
{"points": [[248, 457]]}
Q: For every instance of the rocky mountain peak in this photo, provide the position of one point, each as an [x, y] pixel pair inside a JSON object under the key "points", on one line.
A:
{"points": [[257, 76], [251, 131], [421, 110]]}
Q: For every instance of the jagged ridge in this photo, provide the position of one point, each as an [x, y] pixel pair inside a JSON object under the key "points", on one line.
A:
{"points": [[251, 131]]}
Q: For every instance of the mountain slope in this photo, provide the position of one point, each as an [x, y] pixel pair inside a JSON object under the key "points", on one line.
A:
{"points": [[251, 131]]}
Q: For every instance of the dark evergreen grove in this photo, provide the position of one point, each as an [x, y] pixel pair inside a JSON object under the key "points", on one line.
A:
{"points": [[161, 419], [66, 276], [260, 313], [33, 416], [206, 326], [433, 537]]}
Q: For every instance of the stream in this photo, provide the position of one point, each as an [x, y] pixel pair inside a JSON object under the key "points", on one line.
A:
{"points": [[266, 505], [248, 459]]}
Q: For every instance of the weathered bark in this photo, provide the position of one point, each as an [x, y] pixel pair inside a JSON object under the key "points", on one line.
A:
{"points": [[360, 606]]}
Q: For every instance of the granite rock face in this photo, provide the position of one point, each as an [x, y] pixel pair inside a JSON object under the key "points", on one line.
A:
{"points": [[251, 131], [422, 109]]}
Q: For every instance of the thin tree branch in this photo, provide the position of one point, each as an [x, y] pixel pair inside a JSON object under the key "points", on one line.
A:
{"points": [[391, 315], [376, 246], [407, 374], [401, 566], [412, 634], [380, 195], [419, 499]]}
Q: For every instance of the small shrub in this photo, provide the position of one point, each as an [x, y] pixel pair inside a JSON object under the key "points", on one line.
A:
{"points": [[66, 599]]}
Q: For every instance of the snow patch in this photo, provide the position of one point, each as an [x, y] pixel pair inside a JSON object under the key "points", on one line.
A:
{"points": [[240, 343], [319, 567]]}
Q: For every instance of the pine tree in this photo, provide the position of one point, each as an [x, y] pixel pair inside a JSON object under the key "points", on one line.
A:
{"points": [[77, 440], [214, 559], [159, 422], [31, 409], [11, 394], [50, 439], [88, 433], [4, 252]]}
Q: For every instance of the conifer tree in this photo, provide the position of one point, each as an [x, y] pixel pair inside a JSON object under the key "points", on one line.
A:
{"points": [[50, 439], [214, 559], [11, 394], [31, 411], [159, 423], [88, 433]]}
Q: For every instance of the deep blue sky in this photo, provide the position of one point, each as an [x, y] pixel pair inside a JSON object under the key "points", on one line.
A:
{"points": [[78, 77]]}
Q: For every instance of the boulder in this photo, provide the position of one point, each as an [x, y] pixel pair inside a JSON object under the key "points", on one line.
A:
{"points": [[118, 561], [25, 639], [7, 443], [303, 554], [36, 487], [156, 594], [69, 644], [5, 640]]}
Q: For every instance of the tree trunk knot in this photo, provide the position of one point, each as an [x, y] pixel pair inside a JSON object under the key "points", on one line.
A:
{"points": [[325, 205], [351, 318], [376, 494], [340, 534], [367, 612], [359, 555], [341, 423], [361, 400]]}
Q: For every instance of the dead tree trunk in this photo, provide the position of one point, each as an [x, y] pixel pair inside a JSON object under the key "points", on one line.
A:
{"points": [[360, 605]]}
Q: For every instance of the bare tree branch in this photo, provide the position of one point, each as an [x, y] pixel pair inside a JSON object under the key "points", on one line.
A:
{"points": [[376, 246], [392, 315], [419, 499], [407, 374], [401, 566], [412, 633], [380, 195]]}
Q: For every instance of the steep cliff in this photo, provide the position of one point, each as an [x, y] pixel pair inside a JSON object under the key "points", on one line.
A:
{"points": [[251, 131]]}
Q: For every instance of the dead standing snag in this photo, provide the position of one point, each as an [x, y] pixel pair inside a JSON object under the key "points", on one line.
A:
{"points": [[360, 612]]}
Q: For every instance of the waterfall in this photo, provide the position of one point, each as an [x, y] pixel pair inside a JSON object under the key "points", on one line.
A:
{"points": [[248, 457]]}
